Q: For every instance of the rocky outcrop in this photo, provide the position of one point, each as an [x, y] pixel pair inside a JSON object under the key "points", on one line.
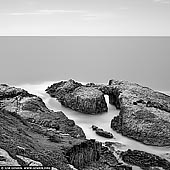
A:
{"points": [[107, 161], [144, 160], [29, 131], [33, 135], [78, 97], [101, 132], [144, 113], [31, 109], [83, 153]]}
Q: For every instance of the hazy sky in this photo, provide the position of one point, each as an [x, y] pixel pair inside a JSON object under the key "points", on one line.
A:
{"points": [[145, 60], [85, 17]]}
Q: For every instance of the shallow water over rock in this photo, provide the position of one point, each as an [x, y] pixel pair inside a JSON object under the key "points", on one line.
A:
{"points": [[85, 121]]}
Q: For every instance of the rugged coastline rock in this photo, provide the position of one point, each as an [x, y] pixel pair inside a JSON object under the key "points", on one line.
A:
{"points": [[101, 132], [78, 97], [144, 113], [29, 130], [33, 135], [78, 156], [144, 160]]}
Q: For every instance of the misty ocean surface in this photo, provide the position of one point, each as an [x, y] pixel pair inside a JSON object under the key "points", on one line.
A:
{"points": [[85, 121], [91, 59]]}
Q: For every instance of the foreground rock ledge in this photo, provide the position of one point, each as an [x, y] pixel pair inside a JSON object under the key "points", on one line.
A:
{"points": [[30, 131], [78, 97], [31, 135]]}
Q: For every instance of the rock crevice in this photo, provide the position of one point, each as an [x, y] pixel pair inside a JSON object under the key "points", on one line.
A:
{"points": [[84, 153]]}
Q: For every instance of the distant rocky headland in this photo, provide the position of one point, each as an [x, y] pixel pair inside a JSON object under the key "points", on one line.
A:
{"points": [[33, 135]]}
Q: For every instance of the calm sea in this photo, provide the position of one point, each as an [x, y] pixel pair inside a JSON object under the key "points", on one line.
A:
{"points": [[144, 60]]}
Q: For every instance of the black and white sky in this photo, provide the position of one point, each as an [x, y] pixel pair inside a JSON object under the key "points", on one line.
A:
{"points": [[85, 17], [83, 42]]}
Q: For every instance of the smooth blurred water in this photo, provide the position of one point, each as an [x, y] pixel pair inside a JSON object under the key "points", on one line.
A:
{"points": [[85, 121], [144, 60]]}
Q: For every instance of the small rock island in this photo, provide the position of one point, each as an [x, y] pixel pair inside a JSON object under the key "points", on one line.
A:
{"points": [[78, 97], [102, 132]]}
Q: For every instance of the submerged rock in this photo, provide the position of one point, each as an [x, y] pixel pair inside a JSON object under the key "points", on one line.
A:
{"points": [[101, 132], [78, 97], [83, 153], [30, 131]]}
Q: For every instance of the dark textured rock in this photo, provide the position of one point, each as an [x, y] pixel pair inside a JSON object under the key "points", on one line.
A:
{"points": [[144, 113], [30, 130], [47, 123], [107, 161], [101, 132], [78, 97], [144, 160], [30, 108], [104, 133], [84, 153]]}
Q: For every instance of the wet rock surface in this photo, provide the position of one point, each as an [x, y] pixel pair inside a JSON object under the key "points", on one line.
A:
{"points": [[78, 97], [29, 130], [101, 132]]}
